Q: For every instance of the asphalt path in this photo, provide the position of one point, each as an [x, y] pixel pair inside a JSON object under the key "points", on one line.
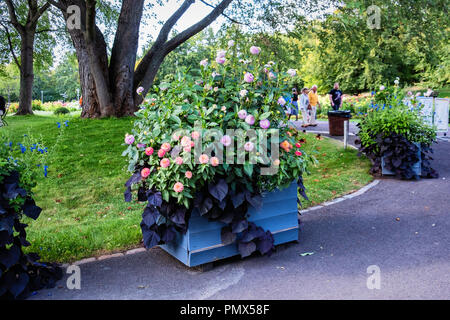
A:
{"points": [[395, 236]]}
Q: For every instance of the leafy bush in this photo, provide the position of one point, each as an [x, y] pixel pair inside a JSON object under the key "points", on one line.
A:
{"points": [[36, 105], [20, 273], [175, 174], [391, 129], [61, 111]]}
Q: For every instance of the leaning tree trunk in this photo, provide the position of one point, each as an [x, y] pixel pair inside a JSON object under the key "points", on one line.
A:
{"points": [[93, 105], [109, 86], [26, 74]]}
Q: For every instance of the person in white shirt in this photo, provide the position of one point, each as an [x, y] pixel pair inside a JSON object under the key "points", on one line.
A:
{"points": [[304, 106]]}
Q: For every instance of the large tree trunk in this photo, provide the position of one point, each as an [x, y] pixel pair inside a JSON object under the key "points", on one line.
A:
{"points": [[26, 74], [123, 57], [93, 67], [109, 87], [90, 106]]}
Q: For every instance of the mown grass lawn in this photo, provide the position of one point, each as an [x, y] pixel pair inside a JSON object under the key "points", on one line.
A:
{"points": [[84, 213], [338, 171]]}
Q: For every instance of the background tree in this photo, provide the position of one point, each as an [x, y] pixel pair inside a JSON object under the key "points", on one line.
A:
{"points": [[407, 44], [27, 22], [109, 82]]}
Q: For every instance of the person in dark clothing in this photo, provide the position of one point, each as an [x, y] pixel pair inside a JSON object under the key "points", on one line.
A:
{"points": [[2, 105], [2, 109], [294, 103], [336, 97]]}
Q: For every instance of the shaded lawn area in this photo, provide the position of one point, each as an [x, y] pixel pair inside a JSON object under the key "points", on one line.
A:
{"points": [[338, 172], [84, 213]]}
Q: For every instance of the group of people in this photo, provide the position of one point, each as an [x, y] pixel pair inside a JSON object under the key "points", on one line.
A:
{"points": [[308, 102]]}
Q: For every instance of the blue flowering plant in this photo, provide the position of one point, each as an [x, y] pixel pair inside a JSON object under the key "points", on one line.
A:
{"points": [[396, 131], [21, 165], [29, 154]]}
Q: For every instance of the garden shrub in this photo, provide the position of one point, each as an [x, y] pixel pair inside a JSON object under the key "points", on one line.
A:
{"points": [[20, 274], [61, 111], [36, 105], [393, 130], [174, 174]]}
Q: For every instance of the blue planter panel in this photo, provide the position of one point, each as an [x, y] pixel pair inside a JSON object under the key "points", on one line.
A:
{"points": [[202, 242]]}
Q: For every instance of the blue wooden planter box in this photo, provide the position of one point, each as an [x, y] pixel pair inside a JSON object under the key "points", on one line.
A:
{"points": [[417, 167], [202, 244]]}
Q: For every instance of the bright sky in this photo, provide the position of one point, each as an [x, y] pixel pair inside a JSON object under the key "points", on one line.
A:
{"points": [[196, 12]]}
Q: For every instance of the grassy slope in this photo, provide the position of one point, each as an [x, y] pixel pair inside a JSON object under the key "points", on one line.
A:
{"points": [[84, 212]]}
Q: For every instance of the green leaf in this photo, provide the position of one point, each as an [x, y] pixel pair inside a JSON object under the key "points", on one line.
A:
{"points": [[264, 116], [166, 195], [176, 119], [248, 168]]}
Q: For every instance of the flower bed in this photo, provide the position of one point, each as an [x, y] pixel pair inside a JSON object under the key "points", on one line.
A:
{"points": [[395, 137], [214, 141], [20, 273]]}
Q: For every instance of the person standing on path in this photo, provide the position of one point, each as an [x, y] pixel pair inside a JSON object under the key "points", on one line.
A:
{"points": [[304, 106], [314, 102], [2, 109], [336, 97], [294, 109]]}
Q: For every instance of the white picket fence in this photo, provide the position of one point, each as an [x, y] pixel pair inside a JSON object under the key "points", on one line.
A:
{"points": [[434, 111]]}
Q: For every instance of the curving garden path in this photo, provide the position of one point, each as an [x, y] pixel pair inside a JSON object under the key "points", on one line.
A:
{"points": [[400, 226]]}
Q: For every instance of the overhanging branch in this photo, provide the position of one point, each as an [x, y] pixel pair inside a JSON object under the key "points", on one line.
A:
{"points": [[223, 14], [11, 47], [196, 28], [162, 38]]}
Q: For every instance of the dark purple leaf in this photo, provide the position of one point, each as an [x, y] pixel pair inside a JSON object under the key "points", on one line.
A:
{"points": [[150, 216], [142, 194], [155, 198], [238, 199], [179, 217], [227, 217], [206, 205], [16, 283], [239, 226], [265, 244], [9, 257], [6, 224], [135, 178], [227, 237], [219, 190], [223, 204], [254, 200], [246, 248], [127, 195], [30, 209], [151, 238], [169, 234]]}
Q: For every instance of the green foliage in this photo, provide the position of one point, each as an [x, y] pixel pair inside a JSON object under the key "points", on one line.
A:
{"points": [[212, 99], [61, 111], [389, 115], [410, 40], [83, 209]]}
